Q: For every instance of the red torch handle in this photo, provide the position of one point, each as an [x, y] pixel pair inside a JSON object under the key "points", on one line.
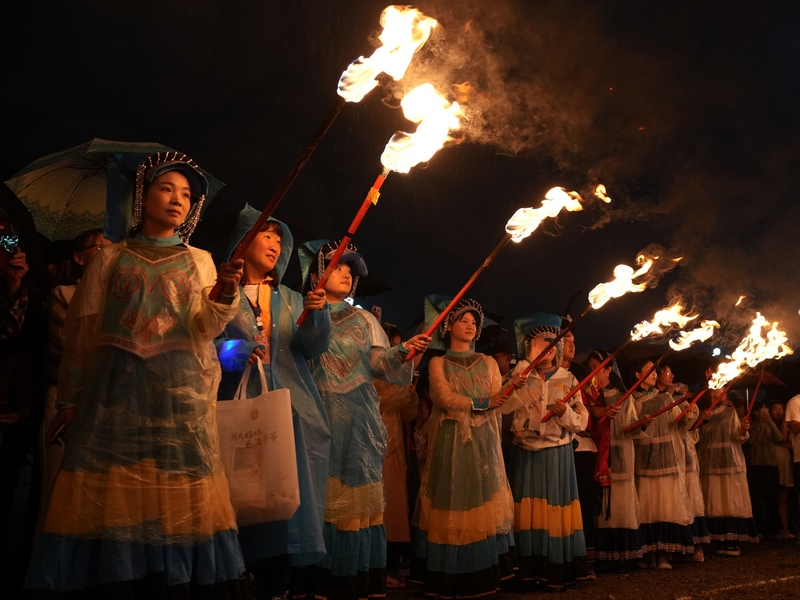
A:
{"points": [[634, 387], [691, 404], [503, 243], [284, 186], [710, 408], [660, 411], [755, 394], [369, 200], [549, 414], [549, 347]]}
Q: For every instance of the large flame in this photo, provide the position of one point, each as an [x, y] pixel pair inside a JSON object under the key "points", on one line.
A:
{"points": [[526, 220], [621, 285], [753, 349], [684, 339], [405, 30], [664, 318], [436, 116]]}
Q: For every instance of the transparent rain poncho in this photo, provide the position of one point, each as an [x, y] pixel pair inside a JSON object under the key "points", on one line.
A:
{"points": [[142, 464], [624, 509], [399, 404], [723, 472], [660, 464], [359, 350], [694, 491], [464, 494]]}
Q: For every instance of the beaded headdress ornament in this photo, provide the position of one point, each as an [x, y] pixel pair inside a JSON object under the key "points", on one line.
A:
{"points": [[541, 330], [325, 254], [154, 162], [464, 306]]}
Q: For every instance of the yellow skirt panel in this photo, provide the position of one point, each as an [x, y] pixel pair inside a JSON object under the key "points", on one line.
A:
{"points": [[86, 504], [459, 528], [558, 521]]}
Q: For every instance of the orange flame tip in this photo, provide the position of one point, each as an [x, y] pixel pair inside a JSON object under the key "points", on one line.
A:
{"points": [[621, 285], [684, 339], [526, 220], [436, 116], [405, 30], [663, 320]]}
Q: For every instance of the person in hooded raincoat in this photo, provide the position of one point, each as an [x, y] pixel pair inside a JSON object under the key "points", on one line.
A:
{"points": [[141, 506], [264, 329], [355, 536]]}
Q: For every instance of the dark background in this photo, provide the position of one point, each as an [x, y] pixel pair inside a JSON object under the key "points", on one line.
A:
{"points": [[686, 111]]}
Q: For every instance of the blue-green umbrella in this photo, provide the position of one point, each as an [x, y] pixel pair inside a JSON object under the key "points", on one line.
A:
{"points": [[87, 186]]}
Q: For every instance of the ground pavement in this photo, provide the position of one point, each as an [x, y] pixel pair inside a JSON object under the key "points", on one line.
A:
{"points": [[767, 570]]}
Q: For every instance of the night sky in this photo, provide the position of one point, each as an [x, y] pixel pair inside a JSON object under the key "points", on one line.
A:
{"points": [[686, 111]]}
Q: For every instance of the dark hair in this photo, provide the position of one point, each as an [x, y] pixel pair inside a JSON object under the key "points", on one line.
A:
{"points": [[600, 354], [661, 368], [273, 226], [638, 365], [83, 242], [392, 331]]}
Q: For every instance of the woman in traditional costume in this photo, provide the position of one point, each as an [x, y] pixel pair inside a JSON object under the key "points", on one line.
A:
{"points": [[355, 537], [618, 535], [464, 516], [723, 474], [141, 502], [264, 329], [660, 470], [547, 514]]}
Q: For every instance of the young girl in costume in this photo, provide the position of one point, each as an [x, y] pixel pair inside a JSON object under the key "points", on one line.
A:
{"points": [[264, 329], [355, 536], [141, 502], [547, 515], [660, 470], [723, 474], [464, 515]]}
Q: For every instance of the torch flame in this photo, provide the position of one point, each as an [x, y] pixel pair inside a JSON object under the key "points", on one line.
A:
{"points": [[686, 338], [600, 192], [405, 30], [621, 285], [752, 350], [739, 301], [664, 318], [526, 220], [436, 116]]}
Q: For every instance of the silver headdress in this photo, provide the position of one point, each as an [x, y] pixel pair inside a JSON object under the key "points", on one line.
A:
{"points": [[464, 305], [160, 163], [350, 256]]}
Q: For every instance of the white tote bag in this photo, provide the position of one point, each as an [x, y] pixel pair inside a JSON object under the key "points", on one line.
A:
{"points": [[256, 441]]}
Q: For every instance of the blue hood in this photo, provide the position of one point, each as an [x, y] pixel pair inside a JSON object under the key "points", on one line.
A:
{"points": [[247, 218]]}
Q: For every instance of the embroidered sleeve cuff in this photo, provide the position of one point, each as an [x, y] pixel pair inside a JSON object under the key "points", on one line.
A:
{"points": [[480, 404]]}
